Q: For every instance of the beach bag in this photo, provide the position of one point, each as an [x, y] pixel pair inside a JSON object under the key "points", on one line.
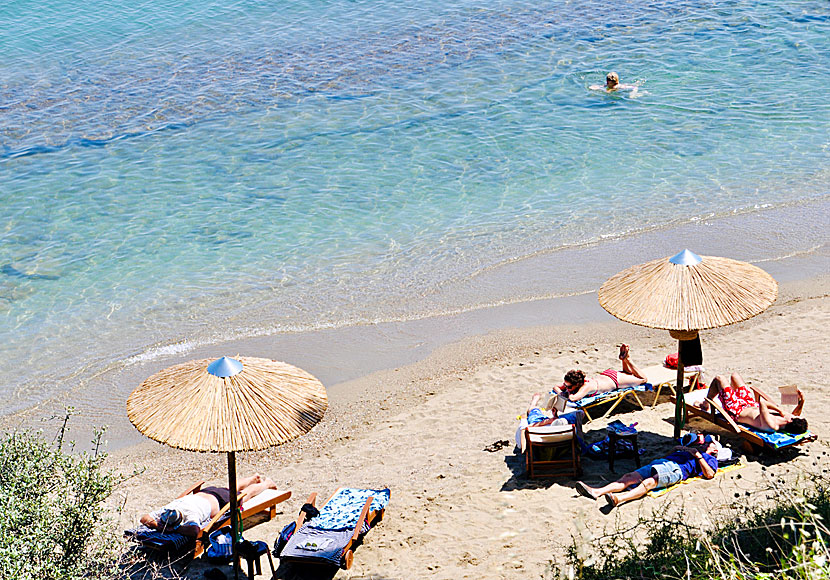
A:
{"points": [[220, 550], [283, 538], [671, 360], [288, 531]]}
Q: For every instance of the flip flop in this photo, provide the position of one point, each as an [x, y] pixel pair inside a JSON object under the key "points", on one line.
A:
{"points": [[612, 500], [623, 351], [583, 490]]}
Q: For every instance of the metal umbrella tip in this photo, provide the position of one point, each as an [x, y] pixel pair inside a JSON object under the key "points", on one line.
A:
{"points": [[224, 367], [686, 258]]}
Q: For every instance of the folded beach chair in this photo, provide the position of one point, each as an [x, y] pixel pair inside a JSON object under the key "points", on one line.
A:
{"points": [[331, 537], [660, 376], [552, 451], [753, 440], [173, 543]]}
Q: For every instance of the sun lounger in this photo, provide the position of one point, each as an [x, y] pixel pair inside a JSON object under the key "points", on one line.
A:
{"points": [[330, 537], [754, 441], [660, 376], [171, 542], [614, 397]]}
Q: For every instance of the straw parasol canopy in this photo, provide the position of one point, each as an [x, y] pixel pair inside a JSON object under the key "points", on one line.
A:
{"points": [[264, 403], [687, 293], [226, 406]]}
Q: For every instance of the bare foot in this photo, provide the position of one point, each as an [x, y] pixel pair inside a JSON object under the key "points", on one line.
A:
{"points": [[534, 402], [624, 351]]}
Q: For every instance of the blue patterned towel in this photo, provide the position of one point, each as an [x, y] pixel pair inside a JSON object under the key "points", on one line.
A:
{"points": [[586, 401], [779, 439], [342, 511]]}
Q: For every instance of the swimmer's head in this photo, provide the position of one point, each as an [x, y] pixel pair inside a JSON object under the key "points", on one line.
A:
{"points": [[612, 79]]}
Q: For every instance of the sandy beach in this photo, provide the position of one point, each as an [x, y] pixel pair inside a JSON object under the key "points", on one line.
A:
{"points": [[459, 511]]}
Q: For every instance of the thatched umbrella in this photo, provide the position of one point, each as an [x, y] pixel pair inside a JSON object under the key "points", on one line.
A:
{"points": [[227, 406], [685, 294]]}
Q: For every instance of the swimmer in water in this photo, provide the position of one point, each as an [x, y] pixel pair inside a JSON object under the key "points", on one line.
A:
{"points": [[612, 83]]}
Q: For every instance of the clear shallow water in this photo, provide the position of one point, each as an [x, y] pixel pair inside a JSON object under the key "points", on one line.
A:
{"points": [[173, 174]]}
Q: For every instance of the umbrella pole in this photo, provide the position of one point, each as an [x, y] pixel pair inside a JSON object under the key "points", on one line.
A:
{"points": [[234, 511], [680, 405]]}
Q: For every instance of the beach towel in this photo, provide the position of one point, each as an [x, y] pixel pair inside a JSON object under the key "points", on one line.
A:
{"points": [[220, 549], [588, 401], [343, 510], [163, 541], [724, 469], [778, 439], [326, 536]]}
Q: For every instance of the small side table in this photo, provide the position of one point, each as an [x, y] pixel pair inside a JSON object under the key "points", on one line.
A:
{"points": [[613, 437], [257, 550]]}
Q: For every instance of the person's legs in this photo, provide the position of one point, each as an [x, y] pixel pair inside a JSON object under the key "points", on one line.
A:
{"points": [[714, 391], [623, 483], [534, 401], [246, 481], [630, 368], [256, 488], [642, 489]]}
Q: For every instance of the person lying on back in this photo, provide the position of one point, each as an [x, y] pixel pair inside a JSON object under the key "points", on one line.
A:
{"points": [[753, 407], [696, 456], [189, 514]]}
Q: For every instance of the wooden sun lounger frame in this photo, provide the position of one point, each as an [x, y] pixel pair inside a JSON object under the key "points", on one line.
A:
{"points": [[366, 515], [202, 538], [622, 394], [750, 441], [617, 396]]}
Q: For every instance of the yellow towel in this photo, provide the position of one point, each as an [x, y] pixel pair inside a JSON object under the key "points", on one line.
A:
{"points": [[659, 492]]}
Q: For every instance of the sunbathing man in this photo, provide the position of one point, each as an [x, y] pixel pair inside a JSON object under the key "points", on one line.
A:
{"points": [[187, 515], [697, 456], [577, 387], [753, 407]]}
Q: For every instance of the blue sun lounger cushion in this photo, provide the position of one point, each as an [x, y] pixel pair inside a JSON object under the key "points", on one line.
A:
{"points": [[326, 537]]}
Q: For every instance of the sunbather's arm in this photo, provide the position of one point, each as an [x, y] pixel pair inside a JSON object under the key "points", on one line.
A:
{"points": [[759, 394], [705, 469], [583, 392], [149, 521]]}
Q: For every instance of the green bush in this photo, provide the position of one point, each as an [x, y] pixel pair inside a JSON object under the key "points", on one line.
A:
{"points": [[52, 522], [783, 538]]}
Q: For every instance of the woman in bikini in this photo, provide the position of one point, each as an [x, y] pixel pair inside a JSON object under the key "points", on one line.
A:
{"points": [[753, 407], [576, 386]]}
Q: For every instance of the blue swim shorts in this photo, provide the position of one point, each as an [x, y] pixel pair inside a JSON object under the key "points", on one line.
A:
{"points": [[666, 472], [536, 415]]}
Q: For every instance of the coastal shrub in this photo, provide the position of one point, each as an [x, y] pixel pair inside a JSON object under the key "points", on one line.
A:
{"points": [[52, 522], [781, 536]]}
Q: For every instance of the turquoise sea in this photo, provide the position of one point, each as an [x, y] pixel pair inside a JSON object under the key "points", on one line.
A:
{"points": [[177, 174]]}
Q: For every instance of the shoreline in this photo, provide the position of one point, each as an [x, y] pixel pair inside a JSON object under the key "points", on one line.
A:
{"points": [[421, 429], [340, 357]]}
